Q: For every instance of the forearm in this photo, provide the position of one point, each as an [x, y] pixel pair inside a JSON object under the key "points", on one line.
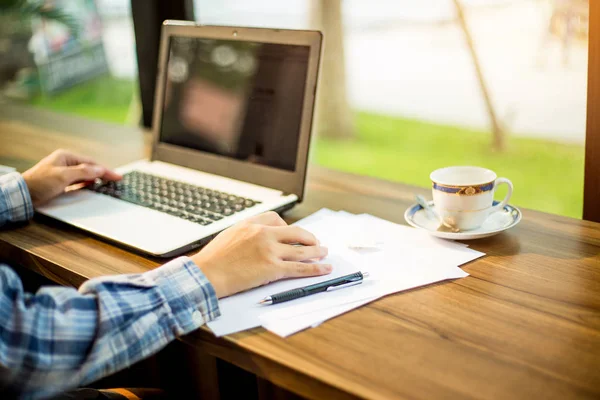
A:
{"points": [[15, 201], [62, 338]]}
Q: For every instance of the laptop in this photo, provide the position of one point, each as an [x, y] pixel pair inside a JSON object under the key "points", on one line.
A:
{"points": [[231, 133]]}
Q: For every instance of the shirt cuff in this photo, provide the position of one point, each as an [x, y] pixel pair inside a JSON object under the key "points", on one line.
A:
{"points": [[189, 293], [15, 199]]}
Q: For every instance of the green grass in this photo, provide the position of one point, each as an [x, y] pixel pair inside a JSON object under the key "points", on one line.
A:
{"points": [[547, 176], [105, 98]]}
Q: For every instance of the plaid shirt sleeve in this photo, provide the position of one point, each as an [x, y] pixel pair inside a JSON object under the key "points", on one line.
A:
{"points": [[61, 338], [15, 202]]}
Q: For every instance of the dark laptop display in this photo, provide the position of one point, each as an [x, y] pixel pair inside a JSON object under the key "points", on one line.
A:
{"points": [[237, 99]]}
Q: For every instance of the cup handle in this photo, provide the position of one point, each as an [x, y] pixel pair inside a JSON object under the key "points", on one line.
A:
{"points": [[504, 202]]}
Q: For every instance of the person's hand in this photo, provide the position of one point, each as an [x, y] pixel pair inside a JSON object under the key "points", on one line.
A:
{"points": [[49, 178], [258, 251]]}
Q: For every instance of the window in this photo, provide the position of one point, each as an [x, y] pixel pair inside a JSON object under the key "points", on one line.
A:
{"points": [[494, 83], [407, 87], [91, 74]]}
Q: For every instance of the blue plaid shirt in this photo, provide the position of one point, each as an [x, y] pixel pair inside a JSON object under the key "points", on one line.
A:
{"points": [[61, 338]]}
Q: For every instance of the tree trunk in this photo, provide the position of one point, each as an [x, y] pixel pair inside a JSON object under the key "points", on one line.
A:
{"points": [[333, 118], [497, 131]]}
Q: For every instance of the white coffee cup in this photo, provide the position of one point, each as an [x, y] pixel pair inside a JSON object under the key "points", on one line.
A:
{"points": [[463, 197]]}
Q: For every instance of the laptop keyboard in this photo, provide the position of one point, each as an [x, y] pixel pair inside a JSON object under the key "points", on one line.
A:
{"points": [[193, 203]]}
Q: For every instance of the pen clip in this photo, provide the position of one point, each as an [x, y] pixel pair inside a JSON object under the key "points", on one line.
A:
{"points": [[345, 285]]}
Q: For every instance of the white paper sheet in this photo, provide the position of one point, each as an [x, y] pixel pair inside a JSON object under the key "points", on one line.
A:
{"points": [[404, 259], [295, 319], [285, 328]]}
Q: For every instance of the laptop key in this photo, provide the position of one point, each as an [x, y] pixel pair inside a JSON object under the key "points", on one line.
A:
{"points": [[214, 217], [174, 211]]}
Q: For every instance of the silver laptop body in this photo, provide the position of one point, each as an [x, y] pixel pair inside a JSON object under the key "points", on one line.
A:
{"points": [[231, 133]]}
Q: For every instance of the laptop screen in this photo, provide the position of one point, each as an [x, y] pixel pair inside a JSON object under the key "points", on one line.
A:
{"points": [[236, 99]]}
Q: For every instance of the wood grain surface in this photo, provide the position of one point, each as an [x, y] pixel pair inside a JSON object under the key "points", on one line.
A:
{"points": [[524, 324]]}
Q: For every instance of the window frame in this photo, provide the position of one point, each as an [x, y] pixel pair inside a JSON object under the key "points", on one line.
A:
{"points": [[148, 16], [591, 185]]}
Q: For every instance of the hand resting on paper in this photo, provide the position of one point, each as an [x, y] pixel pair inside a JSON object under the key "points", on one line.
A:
{"points": [[258, 251]]}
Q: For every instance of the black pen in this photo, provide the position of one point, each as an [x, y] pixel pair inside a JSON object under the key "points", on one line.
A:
{"points": [[327, 286]]}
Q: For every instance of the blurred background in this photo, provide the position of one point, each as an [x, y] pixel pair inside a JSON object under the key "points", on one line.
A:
{"points": [[406, 87]]}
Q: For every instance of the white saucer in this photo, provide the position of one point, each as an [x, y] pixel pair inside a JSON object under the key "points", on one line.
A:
{"points": [[498, 222]]}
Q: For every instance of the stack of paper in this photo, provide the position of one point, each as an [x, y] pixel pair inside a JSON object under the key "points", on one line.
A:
{"points": [[397, 258]]}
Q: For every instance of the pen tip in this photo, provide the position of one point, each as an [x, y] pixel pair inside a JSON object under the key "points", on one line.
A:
{"points": [[267, 300]]}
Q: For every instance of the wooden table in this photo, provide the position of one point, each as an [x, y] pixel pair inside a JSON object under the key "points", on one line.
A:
{"points": [[524, 324]]}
